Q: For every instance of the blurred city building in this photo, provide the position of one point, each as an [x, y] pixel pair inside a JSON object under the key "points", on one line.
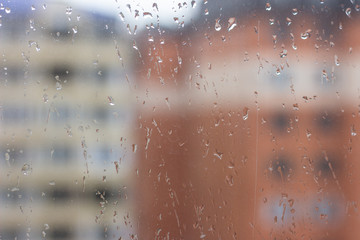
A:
{"points": [[248, 124], [65, 116]]}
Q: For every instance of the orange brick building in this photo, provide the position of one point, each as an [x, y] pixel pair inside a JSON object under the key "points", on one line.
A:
{"points": [[247, 134]]}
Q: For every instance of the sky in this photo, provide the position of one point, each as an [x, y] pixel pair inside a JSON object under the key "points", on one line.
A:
{"points": [[139, 13], [169, 13]]}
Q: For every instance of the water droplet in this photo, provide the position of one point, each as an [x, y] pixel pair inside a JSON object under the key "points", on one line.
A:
{"points": [[340, 26], [324, 74], [43, 233], [283, 53], [294, 46], [33, 8], [75, 29], [357, 7], [111, 101], [294, 11], [68, 11], [155, 7], [218, 154], [147, 15], [58, 86], [134, 148], [45, 98], [135, 46], [206, 11], [7, 10], [278, 71], [52, 183], [308, 134], [245, 113], [274, 37], [267, 6], [128, 7], [167, 103], [288, 21], [296, 106], [7, 156], [136, 16], [26, 169], [337, 61], [128, 28], [37, 47], [46, 226], [217, 25], [122, 16], [348, 12], [353, 131], [231, 23], [316, 47], [292, 36], [271, 21], [150, 38], [291, 202], [229, 180], [193, 3], [306, 34], [31, 43]]}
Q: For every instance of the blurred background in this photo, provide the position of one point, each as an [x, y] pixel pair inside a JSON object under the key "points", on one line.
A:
{"points": [[191, 119]]}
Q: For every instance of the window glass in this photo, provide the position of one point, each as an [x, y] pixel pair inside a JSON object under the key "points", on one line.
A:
{"points": [[192, 119]]}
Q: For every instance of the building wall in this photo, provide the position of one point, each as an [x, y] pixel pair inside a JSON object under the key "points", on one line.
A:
{"points": [[65, 117], [256, 142]]}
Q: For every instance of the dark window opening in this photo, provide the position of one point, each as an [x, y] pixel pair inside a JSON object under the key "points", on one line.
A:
{"points": [[328, 121], [280, 122], [280, 167], [61, 73], [327, 166], [61, 33], [104, 194], [61, 233], [61, 194], [62, 154]]}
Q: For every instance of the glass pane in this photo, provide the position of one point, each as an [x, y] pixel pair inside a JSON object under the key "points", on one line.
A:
{"points": [[187, 119]]}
